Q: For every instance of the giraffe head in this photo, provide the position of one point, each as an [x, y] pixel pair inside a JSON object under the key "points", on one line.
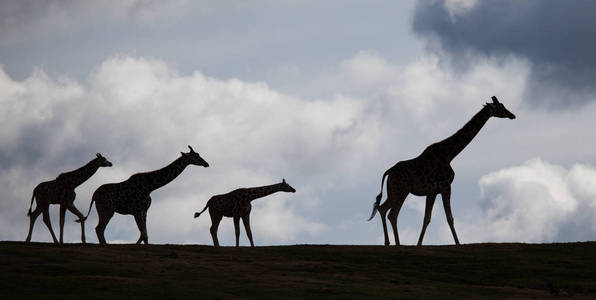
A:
{"points": [[102, 161], [497, 109], [194, 158], [286, 187]]}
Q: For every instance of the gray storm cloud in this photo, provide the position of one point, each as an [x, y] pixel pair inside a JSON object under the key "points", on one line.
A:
{"points": [[556, 37]]}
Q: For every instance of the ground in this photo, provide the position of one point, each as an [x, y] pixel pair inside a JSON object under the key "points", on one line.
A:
{"points": [[40, 270]]}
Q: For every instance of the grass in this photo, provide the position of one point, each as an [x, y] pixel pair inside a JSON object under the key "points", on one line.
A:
{"points": [[490, 271]]}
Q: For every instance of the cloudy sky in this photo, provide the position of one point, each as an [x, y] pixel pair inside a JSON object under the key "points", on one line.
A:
{"points": [[326, 94]]}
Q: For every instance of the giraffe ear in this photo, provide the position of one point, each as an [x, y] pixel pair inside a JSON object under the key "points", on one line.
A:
{"points": [[98, 155], [191, 150], [495, 101]]}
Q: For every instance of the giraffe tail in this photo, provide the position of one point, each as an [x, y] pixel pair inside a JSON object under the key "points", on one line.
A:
{"points": [[88, 212], [379, 197], [197, 214], [31, 205]]}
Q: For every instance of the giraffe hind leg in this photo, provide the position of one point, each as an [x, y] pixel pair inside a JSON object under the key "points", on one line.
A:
{"points": [[104, 216], [383, 213], [32, 217], [215, 219], [393, 213], [46, 220]]}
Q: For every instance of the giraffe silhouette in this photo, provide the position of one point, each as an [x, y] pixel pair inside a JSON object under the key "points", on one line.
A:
{"points": [[431, 174], [131, 197], [236, 204], [62, 191]]}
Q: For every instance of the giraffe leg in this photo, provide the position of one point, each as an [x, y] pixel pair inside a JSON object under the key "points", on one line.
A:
{"points": [[32, 219], [446, 196], [104, 216], [215, 219], [141, 220], [81, 217], [383, 213], [237, 230], [46, 220], [430, 201], [246, 221], [393, 213], [62, 215]]}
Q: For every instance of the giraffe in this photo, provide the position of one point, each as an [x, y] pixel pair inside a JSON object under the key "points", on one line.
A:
{"points": [[236, 204], [62, 191], [431, 174], [131, 197]]}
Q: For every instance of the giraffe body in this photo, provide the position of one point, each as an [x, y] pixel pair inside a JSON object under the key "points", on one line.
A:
{"points": [[62, 191], [132, 196], [237, 205], [431, 174]]}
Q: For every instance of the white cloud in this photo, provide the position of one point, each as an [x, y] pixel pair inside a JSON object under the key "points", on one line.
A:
{"points": [[140, 112], [536, 202]]}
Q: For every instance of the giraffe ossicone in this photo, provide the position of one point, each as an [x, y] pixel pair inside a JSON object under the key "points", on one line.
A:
{"points": [[431, 174], [62, 191], [236, 205], [132, 196]]}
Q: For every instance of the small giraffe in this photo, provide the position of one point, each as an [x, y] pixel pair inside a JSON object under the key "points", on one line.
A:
{"points": [[131, 197], [62, 191], [236, 204], [431, 174]]}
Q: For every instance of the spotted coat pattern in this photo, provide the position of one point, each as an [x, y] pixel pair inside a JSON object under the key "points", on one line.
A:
{"points": [[62, 191], [131, 197], [431, 174], [236, 205]]}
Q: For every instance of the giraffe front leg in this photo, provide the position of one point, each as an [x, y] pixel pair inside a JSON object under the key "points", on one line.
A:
{"points": [[141, 220], [81, 220], [62, 215], [430, 201], [237, 230], [246, 221], [446, 196], [32, 217]]}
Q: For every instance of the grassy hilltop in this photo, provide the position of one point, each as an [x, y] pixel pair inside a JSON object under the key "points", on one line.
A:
{"points": [[40, 270]]}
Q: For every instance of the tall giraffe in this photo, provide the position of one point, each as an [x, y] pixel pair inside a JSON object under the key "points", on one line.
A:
{"points": [[236, 204], [431, 174], [62, 191], [131, 197]]}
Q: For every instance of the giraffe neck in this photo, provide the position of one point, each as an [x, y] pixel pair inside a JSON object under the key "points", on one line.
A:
{"points": [[80, 175], [153, 180], [459, 140], [262, 191]]}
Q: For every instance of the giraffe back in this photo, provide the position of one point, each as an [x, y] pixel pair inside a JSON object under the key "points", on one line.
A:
{"points": [[233, 204], [124, 198], [52, 192]]}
